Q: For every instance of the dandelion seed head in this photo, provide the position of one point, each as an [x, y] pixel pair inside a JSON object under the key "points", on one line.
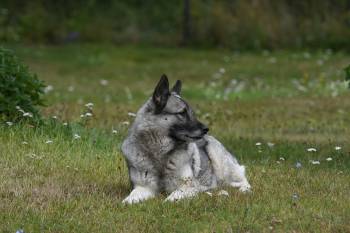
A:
{"points": [[298, 165]]}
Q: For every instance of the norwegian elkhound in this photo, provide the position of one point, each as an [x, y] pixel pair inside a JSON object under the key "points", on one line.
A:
{"points": [[168, 149]]}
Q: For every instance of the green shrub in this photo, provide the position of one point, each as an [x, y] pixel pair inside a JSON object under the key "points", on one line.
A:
{"points": [[20, 90], [347, 74]]}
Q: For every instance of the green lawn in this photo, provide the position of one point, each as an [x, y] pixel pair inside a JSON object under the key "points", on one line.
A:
{"points": [[72, 177]]}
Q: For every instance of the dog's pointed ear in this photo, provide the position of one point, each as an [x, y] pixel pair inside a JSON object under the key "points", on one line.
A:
{"points": [[161, 94], [177, 87]]}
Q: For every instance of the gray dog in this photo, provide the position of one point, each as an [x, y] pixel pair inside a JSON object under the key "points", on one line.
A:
{"points": [[168, 149]]}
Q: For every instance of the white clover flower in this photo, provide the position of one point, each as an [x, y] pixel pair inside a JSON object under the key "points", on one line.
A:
{"points": [[49, 142], [104, 82], [76, 136], [131, 114], [337, 148], [329, 159], [9, 123], [223, 193], [311, 149]]}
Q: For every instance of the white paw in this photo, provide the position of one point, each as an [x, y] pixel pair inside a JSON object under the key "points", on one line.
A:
{"points": [[137, 195], [181, 194], [244, 187]]}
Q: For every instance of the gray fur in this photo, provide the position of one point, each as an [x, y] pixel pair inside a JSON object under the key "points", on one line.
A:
{"points": [[167, 149]]}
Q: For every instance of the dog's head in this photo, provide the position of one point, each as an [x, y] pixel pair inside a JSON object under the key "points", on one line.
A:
{"points": [[174, 114]]}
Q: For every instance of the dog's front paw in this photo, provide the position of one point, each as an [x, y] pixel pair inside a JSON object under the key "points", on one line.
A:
{"points": [[137, 195], [181, 194]]}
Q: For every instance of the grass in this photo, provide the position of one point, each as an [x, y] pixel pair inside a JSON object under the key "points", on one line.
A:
{"points": [[294, 99]]}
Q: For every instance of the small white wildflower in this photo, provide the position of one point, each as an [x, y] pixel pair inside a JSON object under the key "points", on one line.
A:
{"points": [[223, 193], [258, 144], [18, 107], [315, 162], [104, 82], [27, 114], [25, 143], [282, 159], [270, 144], [209, 194], [71, 88], [125, 123], [272, 60], [76, 136], [48, 88], [222, 70], [89, 105], [114, 131], [337, 148], [311, 149], [88, 114], [131, 114], [65, 123], [329, 159], [9, 123], [49, 142], [82, 115], [54, 117], [259, 151]]}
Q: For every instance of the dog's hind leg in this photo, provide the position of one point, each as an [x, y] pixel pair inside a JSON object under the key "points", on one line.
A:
{"points": [[226, 167]]}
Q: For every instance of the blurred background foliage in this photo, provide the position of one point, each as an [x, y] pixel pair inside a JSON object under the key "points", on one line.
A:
{"points": [[234, 24]]}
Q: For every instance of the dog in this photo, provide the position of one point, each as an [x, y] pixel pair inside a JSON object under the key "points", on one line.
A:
{"points": [[168, 149]]}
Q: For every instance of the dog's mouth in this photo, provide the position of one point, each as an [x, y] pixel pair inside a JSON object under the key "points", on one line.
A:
{"points": [[194, 137]]}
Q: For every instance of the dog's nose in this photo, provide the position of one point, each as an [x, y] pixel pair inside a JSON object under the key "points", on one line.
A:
{"points": [[205, 130]]}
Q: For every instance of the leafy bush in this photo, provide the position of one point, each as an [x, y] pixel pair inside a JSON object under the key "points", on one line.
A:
{"points": [[20, 90], [347, 74]]}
